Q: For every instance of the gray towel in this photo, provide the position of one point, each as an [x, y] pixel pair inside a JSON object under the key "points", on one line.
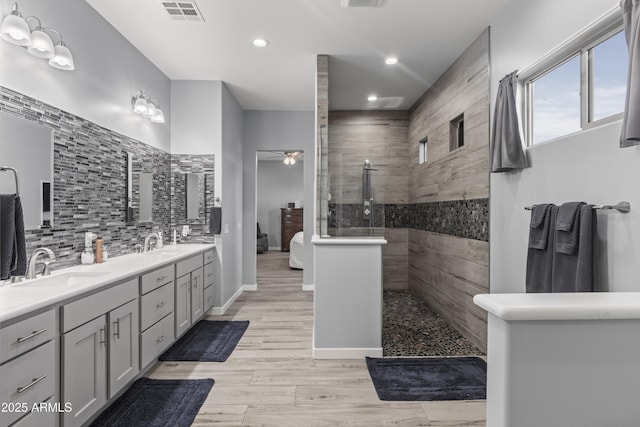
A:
{"points": [[578, 271], [215, 220], [540, 260], [539, 226], [13, 255], [567, 227]]}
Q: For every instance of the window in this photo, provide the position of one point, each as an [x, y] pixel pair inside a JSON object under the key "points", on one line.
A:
{"points": [[583, 88], [424, 153], [456, 133]]}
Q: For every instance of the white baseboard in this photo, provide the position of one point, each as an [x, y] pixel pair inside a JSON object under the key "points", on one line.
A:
{"points": [[274, 248], [308, 287], [219, 311], [346, 353], [253, 287]]}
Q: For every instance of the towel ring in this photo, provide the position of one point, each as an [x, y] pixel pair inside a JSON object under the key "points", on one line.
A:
{"points": [[15, 174]]}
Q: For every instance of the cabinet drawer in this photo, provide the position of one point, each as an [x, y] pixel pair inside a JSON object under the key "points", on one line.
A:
{"points": [[155, 305], [43, 418], [28, 379], [208, 298], [88, 308], [188, 265], [27, 334], [208, 275], [209, 256], [156, 278], [156, 339]]}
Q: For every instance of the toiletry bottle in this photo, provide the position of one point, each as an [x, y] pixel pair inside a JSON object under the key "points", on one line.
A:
{"points": [[105, 254], [99, 242], [87, 256]]}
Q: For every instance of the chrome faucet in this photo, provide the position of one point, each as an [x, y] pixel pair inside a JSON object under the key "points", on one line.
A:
{"points": [[31, 268], [147, 244]]}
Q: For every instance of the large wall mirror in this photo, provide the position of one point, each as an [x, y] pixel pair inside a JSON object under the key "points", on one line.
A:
{"points": [[28, 147]]}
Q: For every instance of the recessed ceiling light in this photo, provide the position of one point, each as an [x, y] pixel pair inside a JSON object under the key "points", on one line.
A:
{"points": [[391, 61], [260, 42], [372, 98]]}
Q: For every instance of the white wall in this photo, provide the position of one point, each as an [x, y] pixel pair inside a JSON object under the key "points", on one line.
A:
{"points": [[278, 184], [586, 166], [206, 119], [277, 130], [109, 71]]}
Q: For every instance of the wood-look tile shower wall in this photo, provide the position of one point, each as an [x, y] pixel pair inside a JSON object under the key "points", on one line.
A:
{"points": [[444, 269]]}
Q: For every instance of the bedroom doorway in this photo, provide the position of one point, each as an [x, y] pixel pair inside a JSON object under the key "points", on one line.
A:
{"points": [[279, 214]]}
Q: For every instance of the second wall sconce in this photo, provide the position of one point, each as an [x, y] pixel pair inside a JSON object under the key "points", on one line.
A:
{"points": [[147, 107], [16, 30]]}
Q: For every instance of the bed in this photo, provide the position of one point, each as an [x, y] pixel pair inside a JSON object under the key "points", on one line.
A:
{"points": [[296, 251]]}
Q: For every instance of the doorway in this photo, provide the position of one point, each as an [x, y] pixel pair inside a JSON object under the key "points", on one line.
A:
{"points": [[279, 213]]}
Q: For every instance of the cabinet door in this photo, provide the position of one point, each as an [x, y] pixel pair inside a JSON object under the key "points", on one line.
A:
{"points": [[183, 304], [197, 295], [123, 346], [85, 370]]}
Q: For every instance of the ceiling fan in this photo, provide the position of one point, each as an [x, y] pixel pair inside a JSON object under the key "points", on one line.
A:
{"points": [[289, 156]]}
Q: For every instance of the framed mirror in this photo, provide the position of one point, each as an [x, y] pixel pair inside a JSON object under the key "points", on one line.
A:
{"points": [[28, 147]]}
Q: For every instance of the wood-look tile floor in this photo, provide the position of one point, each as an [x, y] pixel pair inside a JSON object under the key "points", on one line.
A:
{"points": [[271, 379]]}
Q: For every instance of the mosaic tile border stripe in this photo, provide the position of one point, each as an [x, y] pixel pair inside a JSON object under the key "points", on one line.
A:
{"points": [[468, 219]]}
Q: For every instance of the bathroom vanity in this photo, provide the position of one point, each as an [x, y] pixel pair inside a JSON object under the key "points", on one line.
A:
{"points": [[562, 359], [76, 339]]}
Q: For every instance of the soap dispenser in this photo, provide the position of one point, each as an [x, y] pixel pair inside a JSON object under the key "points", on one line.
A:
{"points": [[87, 256]]}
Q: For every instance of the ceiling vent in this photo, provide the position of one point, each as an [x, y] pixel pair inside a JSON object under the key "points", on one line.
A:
{"points": [[183, 10], [361, 3]]}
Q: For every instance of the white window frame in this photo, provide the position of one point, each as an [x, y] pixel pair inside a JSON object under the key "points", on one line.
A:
{"points": [[580, 45]]}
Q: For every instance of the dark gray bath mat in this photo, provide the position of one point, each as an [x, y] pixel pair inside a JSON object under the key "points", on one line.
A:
{"points": [[207, 341], [429, 378], [157, 403]]}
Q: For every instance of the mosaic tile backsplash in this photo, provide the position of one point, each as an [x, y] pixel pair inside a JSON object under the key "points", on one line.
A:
{"points": [[90, 182], [468, 219]]}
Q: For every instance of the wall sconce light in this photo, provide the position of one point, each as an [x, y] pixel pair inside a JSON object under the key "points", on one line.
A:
{"points": [[289, 160], [16, 30], [147, 107]]}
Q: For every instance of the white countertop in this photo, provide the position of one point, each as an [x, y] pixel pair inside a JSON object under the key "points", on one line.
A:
{"points": [[561, 306], [28, 296]]}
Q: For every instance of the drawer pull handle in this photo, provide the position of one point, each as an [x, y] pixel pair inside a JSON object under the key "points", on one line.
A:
{"points": [[161, 278], [34, 334], [102, 338], [162, 304], [31, 384], [159, 340], [116, 328], [209, 299], [210, 274]]}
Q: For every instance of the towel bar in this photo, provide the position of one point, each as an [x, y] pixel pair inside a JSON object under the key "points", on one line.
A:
{"points": [[623, 207], [15, 173]]}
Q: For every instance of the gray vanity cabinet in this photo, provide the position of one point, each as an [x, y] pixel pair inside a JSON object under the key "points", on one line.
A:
{"points": [[123, 346], [28, 368], [197, 295], [100, 355], [209, 290], [189, 293], [84, 383]]}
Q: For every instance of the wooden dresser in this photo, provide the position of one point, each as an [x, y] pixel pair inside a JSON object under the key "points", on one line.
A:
{"points": [[290, 224]]}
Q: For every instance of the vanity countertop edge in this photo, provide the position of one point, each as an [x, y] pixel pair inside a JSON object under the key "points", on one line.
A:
{"points": [[19, 300], [561, 306]]}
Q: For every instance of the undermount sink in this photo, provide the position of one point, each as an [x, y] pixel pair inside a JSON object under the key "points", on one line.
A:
{"points": [[162, 253], [63, 280]]}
